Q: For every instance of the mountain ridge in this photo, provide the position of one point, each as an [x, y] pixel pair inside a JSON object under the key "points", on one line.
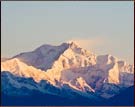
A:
{"points": [[69, 67]]}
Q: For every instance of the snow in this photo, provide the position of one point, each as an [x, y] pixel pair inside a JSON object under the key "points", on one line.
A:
{"points": [[18, 68], [42, 57], [71, 65]]}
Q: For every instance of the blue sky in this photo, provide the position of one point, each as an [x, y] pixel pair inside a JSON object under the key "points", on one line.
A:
{"points": [[101, 27]]}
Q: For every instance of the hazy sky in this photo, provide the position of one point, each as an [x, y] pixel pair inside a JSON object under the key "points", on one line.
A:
{"points": [[101, 27]]}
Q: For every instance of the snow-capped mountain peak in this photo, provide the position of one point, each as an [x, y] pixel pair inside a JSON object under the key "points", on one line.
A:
{"points": [[74, 66]]}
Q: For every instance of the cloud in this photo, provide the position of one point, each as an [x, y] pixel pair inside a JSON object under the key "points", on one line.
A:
{"points": [[89, 42]]}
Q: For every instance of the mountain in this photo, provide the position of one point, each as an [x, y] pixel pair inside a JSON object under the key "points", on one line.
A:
{"points": [[4, 59], [66, 71], [38, 98], [42, 57], [126, 95]]}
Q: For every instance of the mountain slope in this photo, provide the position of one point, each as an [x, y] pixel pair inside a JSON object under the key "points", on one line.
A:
{"points": [[24, 87], [67, 69], [125, 98], [42, 57], [46, 100]]}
